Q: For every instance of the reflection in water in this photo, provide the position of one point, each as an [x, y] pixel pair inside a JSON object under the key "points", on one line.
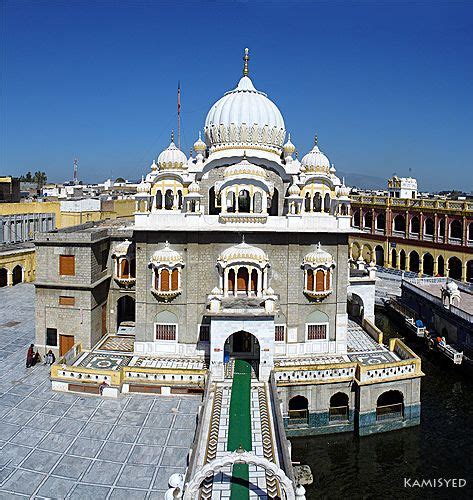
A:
{"points": [[345, 466]]}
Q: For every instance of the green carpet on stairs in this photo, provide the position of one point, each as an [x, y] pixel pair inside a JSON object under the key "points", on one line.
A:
{"points": [[239, 427]]}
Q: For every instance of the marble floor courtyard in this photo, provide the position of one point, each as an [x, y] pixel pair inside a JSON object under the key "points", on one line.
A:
{"points": [[56, 445]]}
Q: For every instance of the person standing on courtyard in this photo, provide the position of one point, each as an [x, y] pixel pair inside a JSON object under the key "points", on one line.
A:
{"points": [[30, 356]]}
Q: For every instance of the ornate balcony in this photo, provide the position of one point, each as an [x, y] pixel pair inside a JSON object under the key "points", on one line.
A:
{"points": [[125, 282]]}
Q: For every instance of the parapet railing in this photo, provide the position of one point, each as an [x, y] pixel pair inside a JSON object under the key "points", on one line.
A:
{"points": [[373, 331], [456, 205], [283, 446]]}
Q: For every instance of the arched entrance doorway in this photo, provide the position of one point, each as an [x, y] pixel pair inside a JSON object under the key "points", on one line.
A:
{"points": [[428, 264], [125, 310], [455, 268], [17, 275], [242, 345], [379, 253]]}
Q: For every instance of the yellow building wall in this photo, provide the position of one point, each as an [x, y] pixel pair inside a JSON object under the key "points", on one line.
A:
{"points": [[25, 259], [34, 207], [111, 210]]}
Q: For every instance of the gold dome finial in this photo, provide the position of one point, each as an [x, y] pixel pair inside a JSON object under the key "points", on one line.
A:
{"points": [[172, 135], [246, 58]]}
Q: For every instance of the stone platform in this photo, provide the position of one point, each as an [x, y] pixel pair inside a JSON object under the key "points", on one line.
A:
{"points": [[55, 445]]}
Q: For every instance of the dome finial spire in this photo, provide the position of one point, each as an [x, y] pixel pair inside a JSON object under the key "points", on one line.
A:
{"points": [[172, 135], [316, 139], [246, 58]]}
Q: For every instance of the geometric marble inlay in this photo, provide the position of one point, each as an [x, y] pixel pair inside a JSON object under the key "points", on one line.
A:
{"points": [[105, 361], [120, 344], [373, 358]]}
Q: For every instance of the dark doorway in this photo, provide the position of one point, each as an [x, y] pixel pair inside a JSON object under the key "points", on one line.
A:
{"points": [[3, 277], [125, 309], [17, 275]]}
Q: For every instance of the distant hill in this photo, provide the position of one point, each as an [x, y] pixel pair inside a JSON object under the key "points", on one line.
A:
{"points": [[363, 181]]}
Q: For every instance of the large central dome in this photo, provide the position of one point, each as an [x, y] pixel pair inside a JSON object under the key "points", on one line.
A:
{"points": [[245, 117]]}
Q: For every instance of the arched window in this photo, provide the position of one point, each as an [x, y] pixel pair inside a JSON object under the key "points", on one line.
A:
{"points": [[415, 225], [307, 202], [390, 406], [393, 258], [168, 199], [124, 268], [339, 410], [231, 281], [429, 227], [379, 255], [298, 411], [456, 229], [319, 281], [230, 199], [442, 227], [175, 279], [381, 221], [368, 220], [242, 279], [179, 199], [317, 202], [327, 203], [428, 264], [455, 268], [310, 279], [399, 223], [164, 280], [402, 260], [414, 262], [344, 209], [244, 201], [214, 207], [159, 200], [356, 218]]}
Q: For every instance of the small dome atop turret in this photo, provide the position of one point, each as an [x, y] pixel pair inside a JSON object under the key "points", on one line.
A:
{"points": [[172, 157], [315, 160], [199, 145]]}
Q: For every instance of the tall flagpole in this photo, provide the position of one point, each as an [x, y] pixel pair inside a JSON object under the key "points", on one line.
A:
{"points": [[179, 115]]}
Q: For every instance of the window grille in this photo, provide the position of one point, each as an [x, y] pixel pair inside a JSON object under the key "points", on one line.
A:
{"points": [[165, 332], [316, 332]]}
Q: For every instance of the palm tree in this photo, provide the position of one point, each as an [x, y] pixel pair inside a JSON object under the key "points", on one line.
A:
{"points": [[40, 178]]}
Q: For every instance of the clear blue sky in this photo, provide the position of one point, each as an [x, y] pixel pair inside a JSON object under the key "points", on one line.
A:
{"points": [[388, 86]]}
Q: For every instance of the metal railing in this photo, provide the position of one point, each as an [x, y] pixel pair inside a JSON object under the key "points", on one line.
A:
{"points": [[337, 413], [390, 412], [298, 417]]}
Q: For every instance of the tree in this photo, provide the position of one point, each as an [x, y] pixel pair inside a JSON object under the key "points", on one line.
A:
{"points": [[40, 178]]}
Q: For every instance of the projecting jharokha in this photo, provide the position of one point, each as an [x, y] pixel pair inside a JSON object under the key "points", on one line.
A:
{"points": [[238, 252]]}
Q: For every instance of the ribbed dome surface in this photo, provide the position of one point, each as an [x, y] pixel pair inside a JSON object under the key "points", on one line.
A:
{"points": [[315, 160], [254, 118], [243, 252], [319, 257], [244, 167], [166, 256], [171, 157]]}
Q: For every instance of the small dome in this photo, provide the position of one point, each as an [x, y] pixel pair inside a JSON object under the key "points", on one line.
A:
{"points": [[194, 187], [319, 257], [166, 256], [315, 160], [243, 252], [289, 148], [199, 145], [122, 248], [244, 167], [294, 190], [154, 167], [344, 191], [171, 158]]}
